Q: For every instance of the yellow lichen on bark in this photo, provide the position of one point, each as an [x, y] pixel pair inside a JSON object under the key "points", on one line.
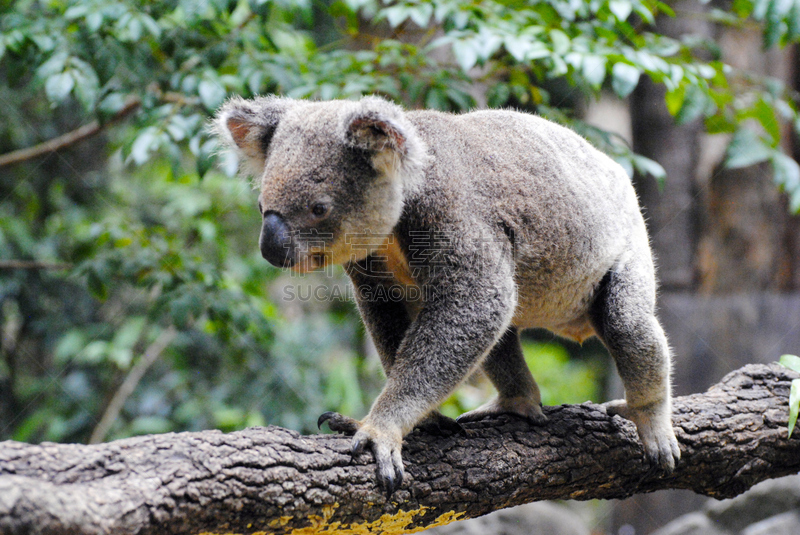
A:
{"points": [[388, 524]]}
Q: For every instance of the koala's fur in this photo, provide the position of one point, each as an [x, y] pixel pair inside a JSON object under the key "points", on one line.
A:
{"points": [[524, 225]]}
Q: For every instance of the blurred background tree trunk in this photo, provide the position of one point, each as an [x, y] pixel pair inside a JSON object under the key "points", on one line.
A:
{"points": [[725, 243]]}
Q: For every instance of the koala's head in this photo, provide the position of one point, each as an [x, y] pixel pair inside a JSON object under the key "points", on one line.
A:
{"points": [[332, 176]]}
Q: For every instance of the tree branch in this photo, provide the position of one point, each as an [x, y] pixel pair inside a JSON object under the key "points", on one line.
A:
{"points": [[274, 480], [65, 140], [32, 264], [127, 387]]}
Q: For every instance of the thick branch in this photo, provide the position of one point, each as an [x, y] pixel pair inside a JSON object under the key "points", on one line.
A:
{"points": [[276, 481]]}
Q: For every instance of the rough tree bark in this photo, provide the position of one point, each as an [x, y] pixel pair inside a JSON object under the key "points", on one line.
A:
{"points": [[271, 480]]}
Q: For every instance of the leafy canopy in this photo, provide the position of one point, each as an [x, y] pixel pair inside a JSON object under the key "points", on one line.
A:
{"points": [[181, 58]]}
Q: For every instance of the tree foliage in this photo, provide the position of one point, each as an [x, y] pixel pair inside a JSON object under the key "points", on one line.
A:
{"points": [[149, 248]]}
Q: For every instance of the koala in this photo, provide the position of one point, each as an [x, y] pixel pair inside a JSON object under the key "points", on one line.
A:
{"points": [[457, 232]]}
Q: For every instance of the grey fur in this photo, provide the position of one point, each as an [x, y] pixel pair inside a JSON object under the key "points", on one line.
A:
{"points": [[503, 220]]}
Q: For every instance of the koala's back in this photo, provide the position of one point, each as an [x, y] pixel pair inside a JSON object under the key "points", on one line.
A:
{"points": [[569, 210]]}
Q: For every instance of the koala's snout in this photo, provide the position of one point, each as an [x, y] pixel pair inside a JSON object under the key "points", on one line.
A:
{"points": [[276, 241]]}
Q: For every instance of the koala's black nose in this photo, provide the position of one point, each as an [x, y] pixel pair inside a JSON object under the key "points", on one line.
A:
{"points": [[276, 241]]}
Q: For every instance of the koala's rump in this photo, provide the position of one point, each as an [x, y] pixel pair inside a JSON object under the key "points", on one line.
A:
{"points": [[570, 211]]}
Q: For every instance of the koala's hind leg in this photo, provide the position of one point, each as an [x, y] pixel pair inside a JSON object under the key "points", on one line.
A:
{"points": [[623, 316], [517, 391]]}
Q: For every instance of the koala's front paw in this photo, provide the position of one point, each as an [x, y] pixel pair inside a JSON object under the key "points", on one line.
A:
{"points": [[386, 446], [387, 443], [520, 406], [655, 431]]}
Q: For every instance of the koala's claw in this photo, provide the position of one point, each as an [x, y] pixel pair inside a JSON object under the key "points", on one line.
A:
{"points": [[390, 471], [358, 445], [386, 447], [663, 452], [339, 423], [655, 431], [324, 417]]}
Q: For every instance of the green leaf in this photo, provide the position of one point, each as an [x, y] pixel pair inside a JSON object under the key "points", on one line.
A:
{"points": [[58, 86], [675, 99], [228, 418], [94, 352], [624, 79], [559, 67], [790, 361], [626, 164], [150, 24], [396, 15], [129, 332], [646, 166], [720, 124], [518, 46], [206, 156], [760, 8], [665, 9], [145, 143], [498, 95], [695, 104], [94, 20], [15, 40], [87, 85], [747, 148], [561, 42], [96, 285], [650, 62], [461, 98], [69, 345], [45, 42], [486, 43], [129, 28], [436, 99], [775, 27], [465, 53], [112, 104], [76, 11], [421, 14], [621, 9], [643, 11], [149, 425], [31, 425], [766, 116], [794, 404], [120, 356], [211, 94], [594, 70], [793, 23], [787, 172]]}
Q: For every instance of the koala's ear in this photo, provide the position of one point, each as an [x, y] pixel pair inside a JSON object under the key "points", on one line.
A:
{"points": [[382, 128], [376, 126], [247, 126]]}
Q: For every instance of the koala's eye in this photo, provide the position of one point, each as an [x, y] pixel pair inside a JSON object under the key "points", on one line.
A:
{"points": [[320, 209]]}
